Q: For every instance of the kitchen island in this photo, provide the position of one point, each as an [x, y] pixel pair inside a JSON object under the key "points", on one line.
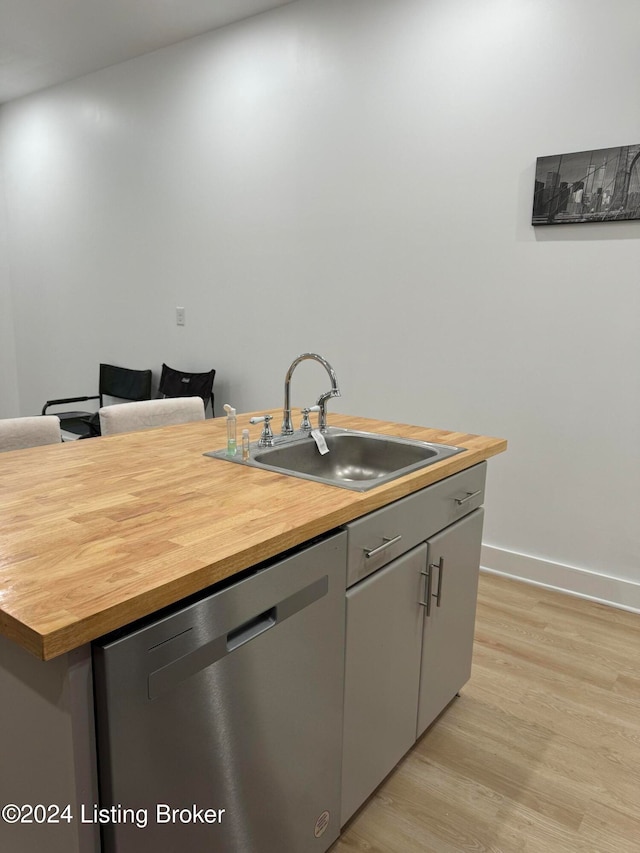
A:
{"points": [[98, 534]]}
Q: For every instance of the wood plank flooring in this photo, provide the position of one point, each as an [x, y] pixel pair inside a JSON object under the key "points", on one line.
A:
{"points": [[541, 751]]}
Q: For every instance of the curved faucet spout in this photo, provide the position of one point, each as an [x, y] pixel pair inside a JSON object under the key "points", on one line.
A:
{"points": [[287, 426]]}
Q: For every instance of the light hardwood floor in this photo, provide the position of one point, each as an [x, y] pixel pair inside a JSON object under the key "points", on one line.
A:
{"points": [[541, 751]]}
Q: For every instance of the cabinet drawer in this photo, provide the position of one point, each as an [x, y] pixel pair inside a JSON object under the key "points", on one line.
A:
{"points": [[411, 520]]}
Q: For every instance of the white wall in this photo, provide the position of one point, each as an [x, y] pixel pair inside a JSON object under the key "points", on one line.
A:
{"points": [[8, 371], [355, 177]]}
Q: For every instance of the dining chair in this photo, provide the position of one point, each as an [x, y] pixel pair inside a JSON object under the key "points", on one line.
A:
{"points": [[179, 383], [19, 433], [119, 383], [130, 417]]}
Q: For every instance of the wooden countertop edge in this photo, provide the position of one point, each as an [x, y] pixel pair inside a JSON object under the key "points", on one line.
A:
{"points": [[78, 632]]}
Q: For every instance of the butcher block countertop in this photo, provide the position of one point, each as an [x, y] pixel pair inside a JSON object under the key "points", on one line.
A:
{"points": [[96, 534]]}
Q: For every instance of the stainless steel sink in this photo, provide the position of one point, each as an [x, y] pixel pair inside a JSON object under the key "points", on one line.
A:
{"points": [[356, 460]]}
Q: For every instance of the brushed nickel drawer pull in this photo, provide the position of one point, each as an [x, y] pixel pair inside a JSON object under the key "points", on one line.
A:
{"points": [[387, 543], [470, 495]]}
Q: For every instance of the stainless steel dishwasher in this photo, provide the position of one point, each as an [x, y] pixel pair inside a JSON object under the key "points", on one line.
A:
{"points": [[220, 724]]}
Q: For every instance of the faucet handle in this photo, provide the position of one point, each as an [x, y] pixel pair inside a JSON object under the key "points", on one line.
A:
{"points": [[266, 437], [306, 423]]}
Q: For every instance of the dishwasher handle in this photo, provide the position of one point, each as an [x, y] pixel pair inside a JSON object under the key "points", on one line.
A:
{"points": [[251, 628], [174, 672]]}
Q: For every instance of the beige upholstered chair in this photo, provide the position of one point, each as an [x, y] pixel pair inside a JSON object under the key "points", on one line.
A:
{"points": [[129, 417], [18, 433]]}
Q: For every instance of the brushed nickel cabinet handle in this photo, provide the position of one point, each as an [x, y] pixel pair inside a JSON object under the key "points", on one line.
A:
{"points": [[440, 565], [428, 593], [387, 543], [470, 495]]}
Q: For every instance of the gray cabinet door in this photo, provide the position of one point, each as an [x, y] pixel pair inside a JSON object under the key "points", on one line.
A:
{"points": [[384, 637], [453, 559]]}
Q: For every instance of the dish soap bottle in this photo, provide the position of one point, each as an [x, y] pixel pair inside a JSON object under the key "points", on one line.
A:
{"points": [[232, 445]]}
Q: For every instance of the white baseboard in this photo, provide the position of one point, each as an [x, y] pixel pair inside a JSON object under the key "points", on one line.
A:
{"points": [[616, 592]]}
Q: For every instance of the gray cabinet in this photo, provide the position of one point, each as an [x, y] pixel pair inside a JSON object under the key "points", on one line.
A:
{"points": [[453, 558], [410, 623], [405, 523], [381, 675]]}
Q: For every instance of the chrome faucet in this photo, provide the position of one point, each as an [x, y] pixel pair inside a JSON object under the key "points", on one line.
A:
{"points": [[287, 426]]}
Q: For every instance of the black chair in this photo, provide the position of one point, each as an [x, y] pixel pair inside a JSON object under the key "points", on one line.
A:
{"points": [[177, 383], [119, 382]]}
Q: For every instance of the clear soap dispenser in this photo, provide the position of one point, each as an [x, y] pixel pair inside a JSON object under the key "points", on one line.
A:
{"points": [[232, 444]]}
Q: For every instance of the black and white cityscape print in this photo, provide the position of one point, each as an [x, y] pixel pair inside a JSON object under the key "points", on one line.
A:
{"points": [[588, 186]]}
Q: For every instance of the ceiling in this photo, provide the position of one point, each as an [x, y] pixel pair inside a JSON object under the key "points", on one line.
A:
{"points": [[43, 42]]}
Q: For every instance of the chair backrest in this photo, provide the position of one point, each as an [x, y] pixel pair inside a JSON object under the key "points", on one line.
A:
{"points": [[178, 383], [18, 433], [123, 383], [130, 417]]}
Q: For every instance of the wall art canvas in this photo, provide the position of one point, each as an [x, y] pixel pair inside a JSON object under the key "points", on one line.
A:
{"points": [[587, 186]]}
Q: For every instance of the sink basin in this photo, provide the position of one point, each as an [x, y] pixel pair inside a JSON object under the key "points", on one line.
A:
{"points": [[356, 460]]}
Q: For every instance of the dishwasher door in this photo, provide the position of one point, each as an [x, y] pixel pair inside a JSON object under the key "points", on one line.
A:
{"points": [[232, 703]]}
